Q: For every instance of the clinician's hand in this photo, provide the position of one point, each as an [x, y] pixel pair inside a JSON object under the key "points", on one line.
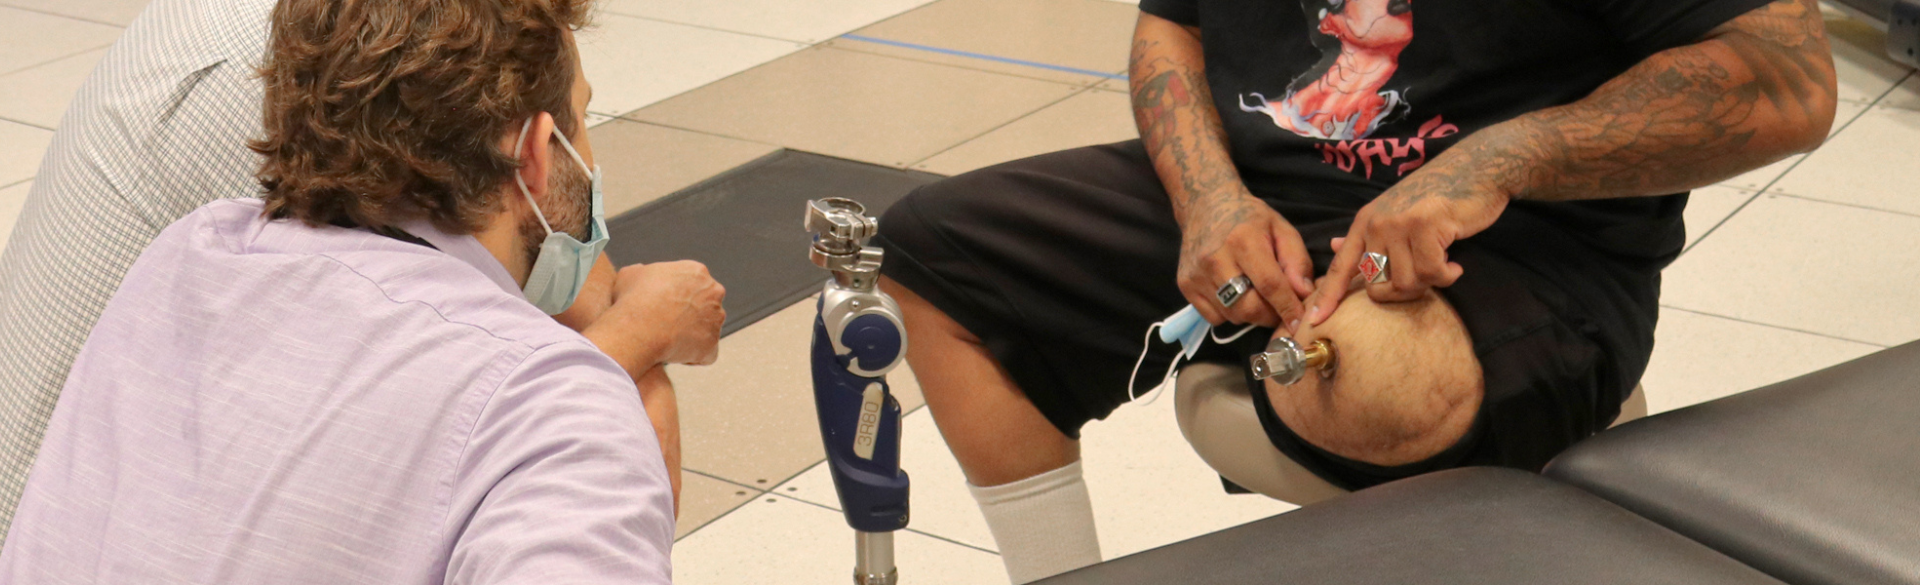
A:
{"points": [[666, 312]]}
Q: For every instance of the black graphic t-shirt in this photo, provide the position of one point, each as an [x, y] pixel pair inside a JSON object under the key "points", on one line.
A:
{"points": [[1336, 100]]}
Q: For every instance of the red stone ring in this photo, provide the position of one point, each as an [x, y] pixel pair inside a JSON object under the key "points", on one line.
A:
{"points": [[1373, 267]]}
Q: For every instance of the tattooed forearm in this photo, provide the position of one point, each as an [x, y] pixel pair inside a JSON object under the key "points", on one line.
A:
{"points": [[1178, 124], [1758, 89]]}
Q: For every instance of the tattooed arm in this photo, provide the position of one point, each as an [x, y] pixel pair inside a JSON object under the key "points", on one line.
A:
{"points": [[1225, 231], [1755, 90]]}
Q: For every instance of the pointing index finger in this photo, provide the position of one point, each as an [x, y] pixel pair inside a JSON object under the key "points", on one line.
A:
{"points": [[1339, 273]]}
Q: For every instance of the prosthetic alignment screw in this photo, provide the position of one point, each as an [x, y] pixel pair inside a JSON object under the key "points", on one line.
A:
{"points": [[1286, 362]]}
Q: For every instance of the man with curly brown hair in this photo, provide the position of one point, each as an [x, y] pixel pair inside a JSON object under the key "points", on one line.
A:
{"points": [[357, 378]]}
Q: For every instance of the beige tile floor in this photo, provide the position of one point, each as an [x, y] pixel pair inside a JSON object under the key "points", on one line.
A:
{"points": [[1790, 268]]}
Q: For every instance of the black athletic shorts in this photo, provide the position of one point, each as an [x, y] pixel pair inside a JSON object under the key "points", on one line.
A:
{"points": [[1060, 262]]}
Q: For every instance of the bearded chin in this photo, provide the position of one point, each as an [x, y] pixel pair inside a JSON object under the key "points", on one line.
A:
{"points": [[569, 192]]}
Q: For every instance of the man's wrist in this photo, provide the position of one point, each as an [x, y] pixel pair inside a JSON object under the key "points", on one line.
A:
{"points": [[634, 353], [1490, 163], [1200, 202]]}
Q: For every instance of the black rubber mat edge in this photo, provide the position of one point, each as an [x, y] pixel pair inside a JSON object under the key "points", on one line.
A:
{"points": [[745, 225]]}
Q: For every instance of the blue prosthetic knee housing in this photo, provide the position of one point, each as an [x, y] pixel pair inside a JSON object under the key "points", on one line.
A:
{"points": [[859, 417]]}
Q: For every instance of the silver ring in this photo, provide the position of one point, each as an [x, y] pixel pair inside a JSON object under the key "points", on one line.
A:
{"points": [[1373, 268], [1231, 292]]}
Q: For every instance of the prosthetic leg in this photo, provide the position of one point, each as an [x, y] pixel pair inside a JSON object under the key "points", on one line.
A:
{"points": [[857, 339]]}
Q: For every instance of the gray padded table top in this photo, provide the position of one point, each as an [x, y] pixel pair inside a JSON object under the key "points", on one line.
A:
{"points": [[1465, 526], [1814, 480]]}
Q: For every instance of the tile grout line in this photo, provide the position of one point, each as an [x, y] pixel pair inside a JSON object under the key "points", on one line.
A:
{"points": [[624, 118], [27, 124], [1796, 164], [803, 471], [825, 46], [59, 58], [963, 65], [969, 139], [915, 531], [724, 514], [67, 16], [776, 485], [704, 474], [922, 4], [1812, 199], [689, 90], [822, 43], [750, 499], [716, 29], [981, 56], [15, 184], [1772, 326], [710, 521]]}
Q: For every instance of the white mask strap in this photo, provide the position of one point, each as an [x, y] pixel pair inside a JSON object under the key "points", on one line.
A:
{"points": [[1172, 368], [522, 181], [564, 143], [568, 144], [1146, 345], [1230, 338]]}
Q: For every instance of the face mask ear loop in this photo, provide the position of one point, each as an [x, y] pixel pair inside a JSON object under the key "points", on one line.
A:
{"points": [[568, 144], [522, 181], [1173, 368], [1145, 345], [1165, 380], [1230, 338]]}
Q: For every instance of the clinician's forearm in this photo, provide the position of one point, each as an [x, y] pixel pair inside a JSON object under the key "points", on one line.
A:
{"points": [[595, 297], [1756, 90], [1173, 109], [636, 354], [663, 409]]}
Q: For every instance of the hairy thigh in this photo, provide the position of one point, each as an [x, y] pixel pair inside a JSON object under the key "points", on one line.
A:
{"points": [[1405, 388]]}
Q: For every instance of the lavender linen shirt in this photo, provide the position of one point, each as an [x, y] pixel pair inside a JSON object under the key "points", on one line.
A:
{"points": [[266, 402]]}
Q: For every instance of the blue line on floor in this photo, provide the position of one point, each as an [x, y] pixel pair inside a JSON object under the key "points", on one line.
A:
{"points": [[982, 56]]}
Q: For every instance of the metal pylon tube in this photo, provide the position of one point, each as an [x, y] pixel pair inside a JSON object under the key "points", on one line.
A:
{"points": [[873, 562]]}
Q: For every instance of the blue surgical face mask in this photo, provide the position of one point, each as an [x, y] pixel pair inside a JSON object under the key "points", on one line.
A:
{"points": [[1189, 329], [560, 269]]}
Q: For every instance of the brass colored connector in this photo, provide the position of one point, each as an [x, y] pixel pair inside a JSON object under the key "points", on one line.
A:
{"points": [[1320, 356]]}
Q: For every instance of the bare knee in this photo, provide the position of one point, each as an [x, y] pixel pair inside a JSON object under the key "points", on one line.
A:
{"points": [[997, 434], [922, 318], [1406, 386]]}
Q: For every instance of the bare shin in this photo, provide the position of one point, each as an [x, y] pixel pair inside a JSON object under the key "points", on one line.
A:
{"points": [[996, 433]]}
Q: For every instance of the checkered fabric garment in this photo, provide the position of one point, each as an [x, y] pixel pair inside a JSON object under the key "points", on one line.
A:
{"points": [[158, 129]]}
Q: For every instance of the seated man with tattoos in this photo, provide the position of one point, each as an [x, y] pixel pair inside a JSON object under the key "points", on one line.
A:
{"points": [[1521, 165]]}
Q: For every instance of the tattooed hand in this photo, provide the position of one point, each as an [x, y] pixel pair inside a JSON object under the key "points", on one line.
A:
{"points": [[1413, 223], [1226, 232], [1241, 235], [1755, 90]]}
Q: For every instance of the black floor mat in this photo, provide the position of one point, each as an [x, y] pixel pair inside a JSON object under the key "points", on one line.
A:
{"points": [[745, 225]]}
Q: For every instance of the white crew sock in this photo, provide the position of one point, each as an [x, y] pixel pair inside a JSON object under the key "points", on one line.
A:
{"points": [[1043, 524]]}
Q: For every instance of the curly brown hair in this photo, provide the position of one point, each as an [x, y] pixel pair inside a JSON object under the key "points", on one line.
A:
{"points": [[384, 111]]}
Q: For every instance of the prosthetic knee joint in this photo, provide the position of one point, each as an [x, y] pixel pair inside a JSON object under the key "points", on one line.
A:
{"points": [[857, 338]]}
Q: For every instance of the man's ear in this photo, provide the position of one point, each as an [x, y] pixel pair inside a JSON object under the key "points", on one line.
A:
{"points": [[536, 155]]}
